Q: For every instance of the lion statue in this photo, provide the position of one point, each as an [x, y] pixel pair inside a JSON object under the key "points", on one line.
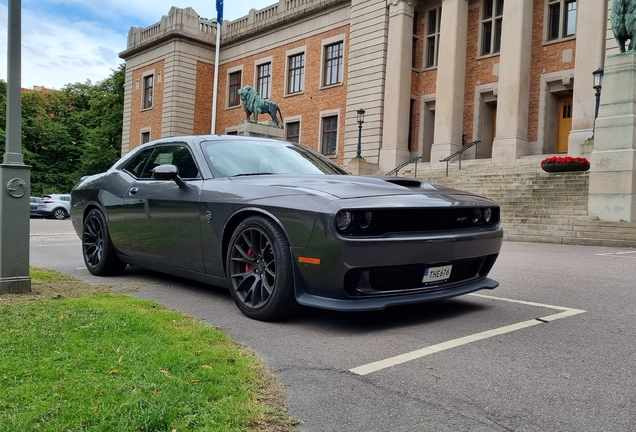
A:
{"points": [[254, 104], [623, 17]]}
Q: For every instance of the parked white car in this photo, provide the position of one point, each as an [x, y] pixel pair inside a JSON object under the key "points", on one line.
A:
{"points": [[56, 206]]}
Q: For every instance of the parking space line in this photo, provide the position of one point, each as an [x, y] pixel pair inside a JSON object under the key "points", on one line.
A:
{"points": [[617, 254], [454, 343], [56, 244]]}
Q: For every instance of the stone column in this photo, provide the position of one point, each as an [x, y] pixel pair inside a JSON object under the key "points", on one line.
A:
{"points": [[397, 94], [366, 77], [591, 32], [513, 100], [612, 194], [451, 76]]}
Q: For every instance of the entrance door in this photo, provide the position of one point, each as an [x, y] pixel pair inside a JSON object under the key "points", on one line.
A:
{"points": [[565, 123]]}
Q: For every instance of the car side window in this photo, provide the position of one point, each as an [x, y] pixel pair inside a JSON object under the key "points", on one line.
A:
{"points": [[141, 166], [137, 166], [181, 157]]}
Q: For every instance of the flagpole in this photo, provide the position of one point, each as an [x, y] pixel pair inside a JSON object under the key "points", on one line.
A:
{"points": [[219, 23], [216, 76]]}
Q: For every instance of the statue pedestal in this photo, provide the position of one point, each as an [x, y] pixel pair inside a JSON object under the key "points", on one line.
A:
{"points": [[260, 130], [612, 195], [359, 166]]}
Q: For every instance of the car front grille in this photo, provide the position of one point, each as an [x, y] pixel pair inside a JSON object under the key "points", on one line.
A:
{"points": [[387, 280], [420, 220]]}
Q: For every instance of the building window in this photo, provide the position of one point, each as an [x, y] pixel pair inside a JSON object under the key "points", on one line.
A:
{"points": [[491, 26], [148, 86], [432, 36], [334, 63], [264, 76], [561, 18], [235, 85], [296, 73], [329, 135], [145, 137], [415, 48], [293, 131]]}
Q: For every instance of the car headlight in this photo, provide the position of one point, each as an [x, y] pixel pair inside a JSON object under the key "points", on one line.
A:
{"points": [[343, 220], [475, 215], [488, 215], [365, 218]]}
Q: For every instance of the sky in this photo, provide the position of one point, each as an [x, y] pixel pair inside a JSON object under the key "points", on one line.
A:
{"points": [[71, 41]]}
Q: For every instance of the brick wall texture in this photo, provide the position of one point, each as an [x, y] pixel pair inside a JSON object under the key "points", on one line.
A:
{"points": [[308, 105], [151, 117]]}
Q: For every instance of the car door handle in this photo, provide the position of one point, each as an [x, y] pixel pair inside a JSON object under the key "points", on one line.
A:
{"points": [[133, 191]]}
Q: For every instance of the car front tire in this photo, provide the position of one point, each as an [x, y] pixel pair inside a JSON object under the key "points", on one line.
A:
{"points": [[98, 251], [259, 270]]}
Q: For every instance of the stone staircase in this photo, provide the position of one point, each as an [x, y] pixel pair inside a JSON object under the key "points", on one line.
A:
{"points": [[535, 206]]}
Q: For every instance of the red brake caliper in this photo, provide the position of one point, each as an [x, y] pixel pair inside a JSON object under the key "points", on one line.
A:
{"points": [[248, 267]]}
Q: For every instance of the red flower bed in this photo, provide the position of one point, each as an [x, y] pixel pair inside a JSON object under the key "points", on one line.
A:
{"points": [[564, 160]]}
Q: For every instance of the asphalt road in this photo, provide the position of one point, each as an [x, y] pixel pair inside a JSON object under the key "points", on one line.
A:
{"points": [[552, 349]]}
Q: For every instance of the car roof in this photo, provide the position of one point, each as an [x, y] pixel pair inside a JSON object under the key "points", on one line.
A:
{"points": [[193, 139]]}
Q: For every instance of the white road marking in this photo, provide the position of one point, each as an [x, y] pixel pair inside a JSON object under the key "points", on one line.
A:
{"points": [[617, 254], [56, 244], [413, 355]]}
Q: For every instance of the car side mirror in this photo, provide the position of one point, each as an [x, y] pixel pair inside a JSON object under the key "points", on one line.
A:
{"points": [[168, 172]]}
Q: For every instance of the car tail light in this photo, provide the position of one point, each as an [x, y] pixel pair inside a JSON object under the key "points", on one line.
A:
{"points": [[48, 201]]}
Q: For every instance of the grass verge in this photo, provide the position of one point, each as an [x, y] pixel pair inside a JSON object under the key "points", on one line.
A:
{"points": [[111, 362]]}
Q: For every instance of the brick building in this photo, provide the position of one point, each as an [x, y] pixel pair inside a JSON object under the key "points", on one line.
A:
{"points": [[430, 74]]}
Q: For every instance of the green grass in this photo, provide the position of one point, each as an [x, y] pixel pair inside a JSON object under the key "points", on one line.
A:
{"points": [[116, 363]]}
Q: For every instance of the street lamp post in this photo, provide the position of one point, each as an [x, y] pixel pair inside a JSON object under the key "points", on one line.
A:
{"points": [[360, 121], [15, 176], [598, 84]]}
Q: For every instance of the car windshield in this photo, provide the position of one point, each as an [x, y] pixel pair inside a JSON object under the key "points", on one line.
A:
{"points": [[230, 158]]}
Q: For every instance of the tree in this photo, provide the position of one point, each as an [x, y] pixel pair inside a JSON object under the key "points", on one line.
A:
{"points": [[69, 133]]}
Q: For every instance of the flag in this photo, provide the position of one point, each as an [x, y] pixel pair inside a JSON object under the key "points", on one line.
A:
{"points": [[219, 11]]}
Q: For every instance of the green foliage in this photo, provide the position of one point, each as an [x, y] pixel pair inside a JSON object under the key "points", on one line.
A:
{"points": [[69, 133]]}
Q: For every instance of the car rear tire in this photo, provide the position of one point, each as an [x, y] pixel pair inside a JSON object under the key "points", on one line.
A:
{"points": [[98, 251], [259, 270], [60, 214]]}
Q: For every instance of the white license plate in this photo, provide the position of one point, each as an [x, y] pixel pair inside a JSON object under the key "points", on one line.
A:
{"points": [[433, 274]]}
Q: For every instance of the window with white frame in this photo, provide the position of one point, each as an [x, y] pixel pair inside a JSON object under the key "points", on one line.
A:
{"points": [[234, 80], [491, 26], [329, 137], [433, 21], [145, 136], [334, 66], [561, 17], [264, 79], [148, 91], [295, 73]]}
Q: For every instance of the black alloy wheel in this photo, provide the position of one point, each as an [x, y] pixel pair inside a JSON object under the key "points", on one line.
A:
{"points": [[59, 214], [259, 270], [98, 251]]}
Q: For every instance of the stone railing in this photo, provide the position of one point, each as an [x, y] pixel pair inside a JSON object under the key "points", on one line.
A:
{"points": [[188, 22], [184, 21], [278, 12]]}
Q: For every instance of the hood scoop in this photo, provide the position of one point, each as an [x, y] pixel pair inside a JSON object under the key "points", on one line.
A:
{"points": [[406, 182]]}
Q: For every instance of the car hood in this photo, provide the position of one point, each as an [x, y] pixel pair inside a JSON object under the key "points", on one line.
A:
{"points": [[346, 186]]}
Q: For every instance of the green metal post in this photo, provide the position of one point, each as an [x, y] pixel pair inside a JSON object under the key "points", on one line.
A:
{"points": [[15, 176]]}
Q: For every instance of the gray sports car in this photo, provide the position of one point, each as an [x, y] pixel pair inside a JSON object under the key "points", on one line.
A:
{"points": [[281, 225]]}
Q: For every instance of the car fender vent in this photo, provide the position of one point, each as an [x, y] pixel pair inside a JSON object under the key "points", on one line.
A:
{"points": [[406, 182]]}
